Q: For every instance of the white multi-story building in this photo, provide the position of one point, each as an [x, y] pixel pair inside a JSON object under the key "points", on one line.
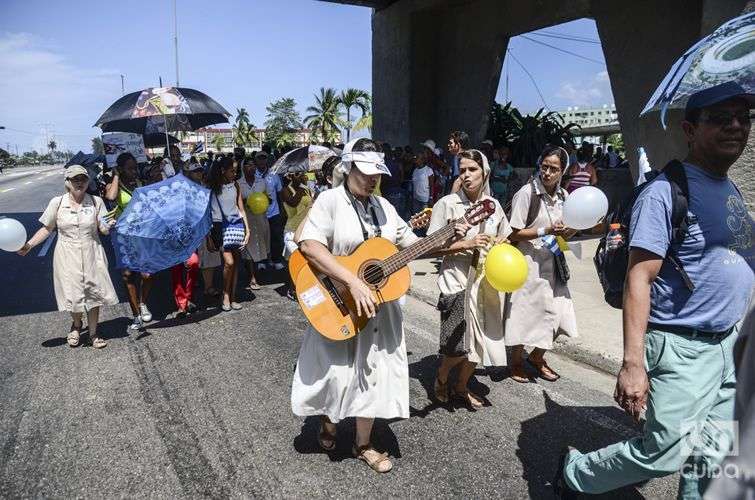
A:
{"points": [[591, 117]]}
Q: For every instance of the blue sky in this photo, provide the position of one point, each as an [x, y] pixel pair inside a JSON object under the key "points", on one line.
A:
{"points": [[60, 62]]}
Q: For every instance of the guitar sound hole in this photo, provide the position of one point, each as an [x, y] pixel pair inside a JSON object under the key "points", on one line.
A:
{"points": [[373, 274]]}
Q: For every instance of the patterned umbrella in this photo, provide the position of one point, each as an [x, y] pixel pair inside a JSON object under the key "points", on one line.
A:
{"points": [[727, 54], [163, 224], [305, 159], [160, 110]]}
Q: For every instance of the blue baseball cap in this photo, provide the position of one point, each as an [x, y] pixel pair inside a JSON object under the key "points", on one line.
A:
{"points": [[719, 93]]}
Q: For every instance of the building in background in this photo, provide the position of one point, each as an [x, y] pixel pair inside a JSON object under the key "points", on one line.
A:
{"points": [[208, 137], [596, 123]]}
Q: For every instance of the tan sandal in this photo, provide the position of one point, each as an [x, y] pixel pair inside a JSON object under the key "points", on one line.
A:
{"points": [[518, 374], [98, 343], [324, 435], [469, 399], [74, 336], [545, 371], [379, 462]]}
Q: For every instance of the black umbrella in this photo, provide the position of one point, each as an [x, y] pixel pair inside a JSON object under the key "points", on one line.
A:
{"points": [[156, 140], [162, 109], [304, 159]]}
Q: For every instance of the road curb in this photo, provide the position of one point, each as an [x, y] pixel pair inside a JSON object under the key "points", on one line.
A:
{"points": [[572, 350]]}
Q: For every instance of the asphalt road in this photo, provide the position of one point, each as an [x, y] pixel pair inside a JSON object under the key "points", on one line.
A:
{"points": [[200, 407]]}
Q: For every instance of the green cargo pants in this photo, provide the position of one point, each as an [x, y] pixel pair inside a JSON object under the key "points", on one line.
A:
{"points": [[688, 425]]}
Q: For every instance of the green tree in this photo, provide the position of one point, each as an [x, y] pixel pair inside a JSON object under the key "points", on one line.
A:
{"points": [[51, 146], [218, 141], [354, 98], [325, 116], [527, 135], [243, 130], [97, 147], [365, 122], [282, 122], [617, 141]]}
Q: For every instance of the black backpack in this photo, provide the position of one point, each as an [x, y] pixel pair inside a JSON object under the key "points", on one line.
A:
{"points": [[612, 265]]}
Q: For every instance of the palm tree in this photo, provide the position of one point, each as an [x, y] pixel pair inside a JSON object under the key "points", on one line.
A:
{"points": [[365, 121], [325, 116], [243, 130], [218, 141], [353, 98], [52, 145]]}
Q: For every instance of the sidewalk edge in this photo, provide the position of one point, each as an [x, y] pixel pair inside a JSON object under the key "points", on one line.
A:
{"points": [[574, 351]]}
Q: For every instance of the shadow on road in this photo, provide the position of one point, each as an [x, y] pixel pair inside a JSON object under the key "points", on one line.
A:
{"points": [[544, 437], [383, 439], [425, 371]]}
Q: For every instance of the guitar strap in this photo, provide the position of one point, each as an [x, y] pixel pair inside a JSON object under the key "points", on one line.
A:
{"points": [[352, 199]]}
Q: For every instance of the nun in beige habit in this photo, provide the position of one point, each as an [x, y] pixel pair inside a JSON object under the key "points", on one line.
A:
{"points": [[542, 309], [471, 311]]}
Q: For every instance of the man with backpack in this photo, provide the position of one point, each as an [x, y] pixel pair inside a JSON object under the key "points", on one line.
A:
{"points": [[689, 281]]}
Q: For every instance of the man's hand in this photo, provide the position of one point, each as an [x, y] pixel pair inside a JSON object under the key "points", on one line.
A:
{"points": [[632, 388]]}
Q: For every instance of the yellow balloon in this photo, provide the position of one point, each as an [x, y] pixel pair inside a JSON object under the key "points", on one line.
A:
{"points": [[257, 203], [506, 268]]}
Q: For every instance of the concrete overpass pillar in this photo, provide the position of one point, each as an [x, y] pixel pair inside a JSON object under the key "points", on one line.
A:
{"points": [[436, 63], [641, 40], [435, 69]]}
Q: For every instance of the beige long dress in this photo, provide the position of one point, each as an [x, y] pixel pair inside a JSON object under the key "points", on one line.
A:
{"points": [[483, 312], [258, 248], [542, 309], [367, 375], [80, 267]]}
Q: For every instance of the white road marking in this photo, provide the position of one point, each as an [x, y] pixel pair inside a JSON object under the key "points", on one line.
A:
{"points": [[28, 182], [6, 190], [47, 244]]}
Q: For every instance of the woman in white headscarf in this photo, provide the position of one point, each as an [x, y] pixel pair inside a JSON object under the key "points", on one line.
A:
{"points": [[542, 309], [471, 311], [367, 376]]}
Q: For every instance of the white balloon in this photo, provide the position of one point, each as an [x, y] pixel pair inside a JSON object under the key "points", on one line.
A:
{"points": [[584, 207], [12, 235]]}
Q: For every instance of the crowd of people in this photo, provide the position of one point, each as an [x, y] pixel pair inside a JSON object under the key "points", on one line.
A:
{"points": [[678, 361]]}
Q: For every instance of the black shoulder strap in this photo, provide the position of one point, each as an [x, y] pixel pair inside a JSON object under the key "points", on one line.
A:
{"points": [[534, 208], [677, 178]]}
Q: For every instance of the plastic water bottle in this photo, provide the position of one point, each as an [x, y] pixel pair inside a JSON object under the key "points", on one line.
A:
{"points": [[614, 238]]}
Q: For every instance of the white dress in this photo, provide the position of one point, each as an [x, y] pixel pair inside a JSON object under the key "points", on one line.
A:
{"points": [[367, 375]]}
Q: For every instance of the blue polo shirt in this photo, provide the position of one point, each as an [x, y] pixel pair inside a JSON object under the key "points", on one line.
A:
{"points": [[718, 253]]}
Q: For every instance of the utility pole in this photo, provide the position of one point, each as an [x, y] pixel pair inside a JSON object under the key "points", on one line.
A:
{"points": [[175, 37], [123, 87]]}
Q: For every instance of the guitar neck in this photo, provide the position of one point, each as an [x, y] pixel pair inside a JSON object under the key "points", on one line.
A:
{"points": [[399, 260]]}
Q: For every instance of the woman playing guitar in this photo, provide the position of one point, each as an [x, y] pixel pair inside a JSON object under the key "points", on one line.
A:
{"points": [[367, 376]]}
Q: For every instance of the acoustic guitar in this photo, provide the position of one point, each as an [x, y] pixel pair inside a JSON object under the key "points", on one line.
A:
{"points": [[328, 304], [296, 261]]}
